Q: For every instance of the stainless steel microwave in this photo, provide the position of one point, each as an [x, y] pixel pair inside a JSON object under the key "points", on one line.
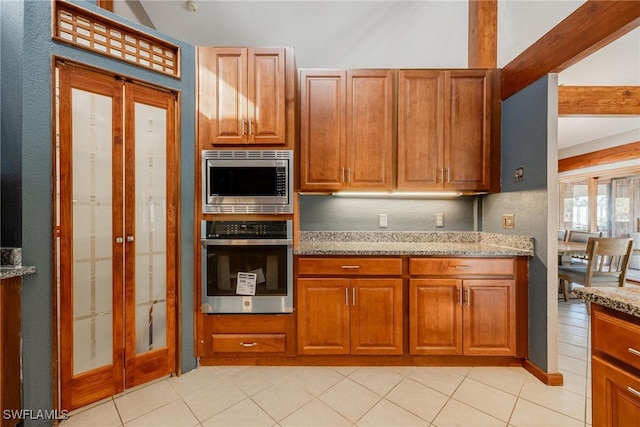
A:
{"points": [[247, 181]]}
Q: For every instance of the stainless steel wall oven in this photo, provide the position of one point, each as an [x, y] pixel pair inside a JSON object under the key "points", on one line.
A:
{"points": [[247, 266]]}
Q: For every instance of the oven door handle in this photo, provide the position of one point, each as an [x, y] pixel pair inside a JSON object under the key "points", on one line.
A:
{"points": [[246, 242]]}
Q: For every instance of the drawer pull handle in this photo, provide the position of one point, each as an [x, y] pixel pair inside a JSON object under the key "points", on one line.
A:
{"points": [[633, 391], [248, 344], [350, 267], [634, 351], [463, 266]]}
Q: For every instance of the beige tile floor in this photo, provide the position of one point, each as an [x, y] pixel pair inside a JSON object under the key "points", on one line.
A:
{"points": [[363, 396]]}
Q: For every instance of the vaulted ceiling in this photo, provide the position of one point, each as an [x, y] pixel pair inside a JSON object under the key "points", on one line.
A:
{"points": [[397, 34]]}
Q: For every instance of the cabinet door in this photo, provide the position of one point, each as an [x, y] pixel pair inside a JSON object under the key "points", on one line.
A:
{"points": [[266, 94], [435, 316], [420, 129], [369, 129], [323, 316], [322, 129], [616, 395], [229, 121], [489, 327], [376, 316], [468, 130]]}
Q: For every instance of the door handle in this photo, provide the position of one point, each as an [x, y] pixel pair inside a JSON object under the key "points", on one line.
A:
{"points": [[129, 239], [119, 240]]}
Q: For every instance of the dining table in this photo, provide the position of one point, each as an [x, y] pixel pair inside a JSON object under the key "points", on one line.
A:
{"points": [[571, 248]]}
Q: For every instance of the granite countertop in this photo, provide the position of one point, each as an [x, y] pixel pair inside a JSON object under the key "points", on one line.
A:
{"points": [[413, 243], [9, 271], [626, 300]]}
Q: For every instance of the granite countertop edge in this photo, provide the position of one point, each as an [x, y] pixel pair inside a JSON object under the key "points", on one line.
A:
{"points": [[18, 271], [625, 300], [413, 243]]}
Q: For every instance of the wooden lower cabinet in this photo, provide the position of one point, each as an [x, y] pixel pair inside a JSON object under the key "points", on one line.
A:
{"points": [[616, 395], [615, 367], [465, 307], [350, 315], [462, 317], [240, 335], [10, 344]]}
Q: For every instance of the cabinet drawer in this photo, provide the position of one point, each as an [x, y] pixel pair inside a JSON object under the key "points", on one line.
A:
{"points": [[248, 343], [350, 266], [461, 266], [615, 336]]}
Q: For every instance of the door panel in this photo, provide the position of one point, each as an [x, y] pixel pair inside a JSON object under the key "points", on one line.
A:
{"points": [[322, 129], [90, 215], [489, 317], [376, 316], [105, 278], [323, 322], [435, 319], [149, 253], [266, 87], [369, 129], [420, 129]]}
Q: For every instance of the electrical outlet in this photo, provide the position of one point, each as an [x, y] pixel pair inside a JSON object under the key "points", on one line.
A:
{"points": [[382, 220], [440, 220], [508, 221]]}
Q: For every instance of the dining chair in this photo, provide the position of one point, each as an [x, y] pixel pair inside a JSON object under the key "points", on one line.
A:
{"points": [[562, 234], [606, 264], [579, 236]]}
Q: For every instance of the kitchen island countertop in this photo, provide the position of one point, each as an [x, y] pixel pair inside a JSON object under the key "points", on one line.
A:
{"points": [[626, 300]]}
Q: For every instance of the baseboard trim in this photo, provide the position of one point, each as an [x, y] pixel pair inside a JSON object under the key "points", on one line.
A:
{"points": [[552, 379]]}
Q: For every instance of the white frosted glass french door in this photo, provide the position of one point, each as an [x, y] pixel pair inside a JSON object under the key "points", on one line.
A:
{"points": [[117, 235]]}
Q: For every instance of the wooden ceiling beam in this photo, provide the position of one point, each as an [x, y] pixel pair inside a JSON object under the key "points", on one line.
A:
{"points": [[598, 100], [105, 4], [601, 157], [593, 25], [483, 34]]}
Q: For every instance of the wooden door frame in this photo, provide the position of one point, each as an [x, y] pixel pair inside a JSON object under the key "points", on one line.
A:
{"points": [[56, 62]]}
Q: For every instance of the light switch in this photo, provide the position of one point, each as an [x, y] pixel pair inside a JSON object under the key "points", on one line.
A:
{"points": [[440, 220]]}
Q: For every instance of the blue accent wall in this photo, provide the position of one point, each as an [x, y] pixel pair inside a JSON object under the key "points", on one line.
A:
{"points": [[26, 108], [524, 143]]}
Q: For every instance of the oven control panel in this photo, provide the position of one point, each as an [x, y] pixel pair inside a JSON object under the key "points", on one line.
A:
{"points": [[247, 229]]}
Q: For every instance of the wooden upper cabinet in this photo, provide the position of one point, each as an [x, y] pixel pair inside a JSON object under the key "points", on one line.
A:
{"points": [[346, 124], [241, 97], [369, 129], [445, 138], [467, 150], [420, 129], [322, 128]]}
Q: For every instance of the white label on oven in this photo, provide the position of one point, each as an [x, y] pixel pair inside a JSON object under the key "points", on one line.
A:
{"points": [[246, 284]]}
